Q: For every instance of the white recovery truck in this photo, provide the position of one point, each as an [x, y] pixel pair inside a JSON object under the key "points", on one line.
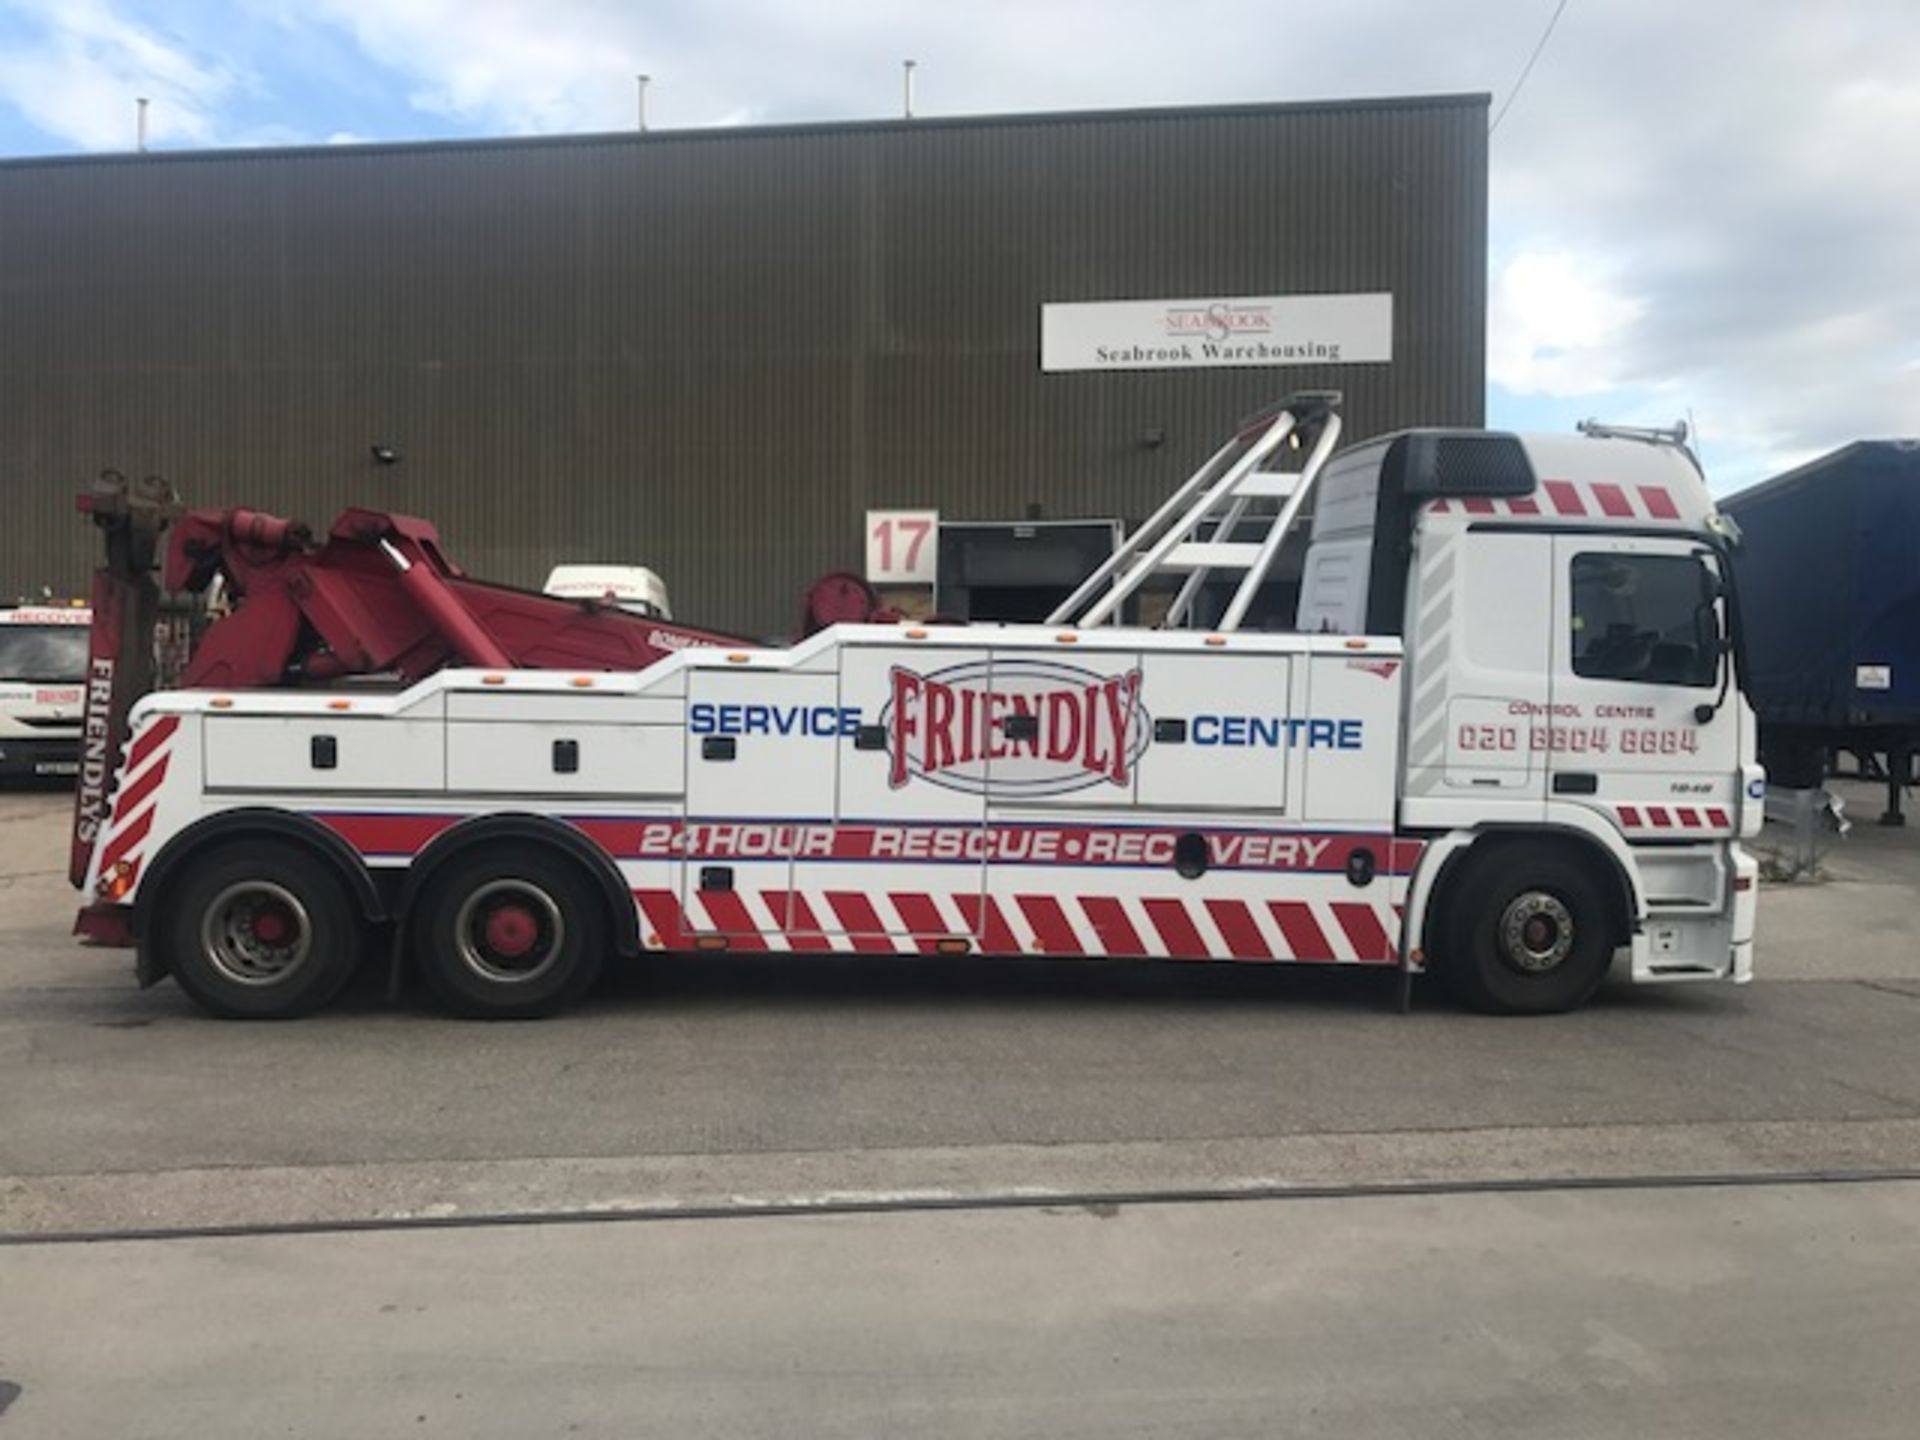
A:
{"points": [[43, 667], [1507, 745]]}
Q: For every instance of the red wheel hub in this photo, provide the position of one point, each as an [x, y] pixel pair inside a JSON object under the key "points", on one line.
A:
{"points": [[273, 926], [511, 930]]}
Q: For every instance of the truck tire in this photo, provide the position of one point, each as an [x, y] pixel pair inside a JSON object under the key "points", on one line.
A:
{"points": [[260, 929], [510, 933], [1529, 932]]}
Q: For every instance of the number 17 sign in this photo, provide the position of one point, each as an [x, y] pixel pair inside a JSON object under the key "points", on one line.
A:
{"points": [[902, 546]]}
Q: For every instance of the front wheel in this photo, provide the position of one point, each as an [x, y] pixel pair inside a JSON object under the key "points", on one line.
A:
{"points": [[1529, 933], [510, 932], [260, 930]]}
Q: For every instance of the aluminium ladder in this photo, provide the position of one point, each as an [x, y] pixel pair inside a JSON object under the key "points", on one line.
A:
{"points": [[1216, 499]]}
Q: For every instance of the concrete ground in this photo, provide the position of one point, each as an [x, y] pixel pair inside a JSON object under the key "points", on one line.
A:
{"points": [[722, 1085], [1866, 896], [725, 1076], [1769, 1312]]}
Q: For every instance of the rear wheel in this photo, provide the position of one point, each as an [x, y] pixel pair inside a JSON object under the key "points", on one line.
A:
{"points": [[1529, 932], [260, 930], [510, 933]]}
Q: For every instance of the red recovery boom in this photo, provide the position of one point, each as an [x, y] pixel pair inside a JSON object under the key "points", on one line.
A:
{"points": [[377, 596]]}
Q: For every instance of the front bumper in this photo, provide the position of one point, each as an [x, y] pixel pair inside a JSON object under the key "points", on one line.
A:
{"points": [[1676, 944], [1746, 907], [36, 758]]}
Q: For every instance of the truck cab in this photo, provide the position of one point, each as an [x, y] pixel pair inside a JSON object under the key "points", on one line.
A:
{"points": [[43, 667], [633, 588], [1566, 607]]}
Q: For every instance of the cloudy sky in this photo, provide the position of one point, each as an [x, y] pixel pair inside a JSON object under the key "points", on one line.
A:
{"points": [[1705, 207]]}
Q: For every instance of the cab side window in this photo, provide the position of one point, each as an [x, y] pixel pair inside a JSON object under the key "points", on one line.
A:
{"points": [[1649, 618]]}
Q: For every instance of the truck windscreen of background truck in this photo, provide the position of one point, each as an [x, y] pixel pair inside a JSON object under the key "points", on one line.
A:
{"points": [[53, 653]]}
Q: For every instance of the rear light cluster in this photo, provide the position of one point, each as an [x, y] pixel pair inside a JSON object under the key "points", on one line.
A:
{"points": [[114, 884]]}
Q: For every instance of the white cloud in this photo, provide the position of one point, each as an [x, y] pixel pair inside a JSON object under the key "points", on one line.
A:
{"points": [[505, 66], [1749, 186], [86, 63], [1555, 325]]}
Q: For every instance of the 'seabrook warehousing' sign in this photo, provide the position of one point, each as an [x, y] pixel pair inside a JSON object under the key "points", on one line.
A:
{"points": [[1202, 333]]}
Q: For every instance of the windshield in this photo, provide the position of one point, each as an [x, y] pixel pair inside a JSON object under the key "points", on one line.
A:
{"points": [[43, 652]]}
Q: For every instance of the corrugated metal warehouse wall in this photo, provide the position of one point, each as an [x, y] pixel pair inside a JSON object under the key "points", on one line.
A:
{"points": [[710, 351]]}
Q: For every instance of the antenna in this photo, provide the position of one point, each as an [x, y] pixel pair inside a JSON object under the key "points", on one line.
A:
{"points": [[643, 81], [140, 125], [907, 67]]}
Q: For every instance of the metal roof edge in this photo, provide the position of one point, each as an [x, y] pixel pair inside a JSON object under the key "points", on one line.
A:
{"points": [[1813, 469], [799, 130]]}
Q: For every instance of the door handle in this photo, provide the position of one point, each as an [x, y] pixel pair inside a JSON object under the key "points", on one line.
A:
{"points": [[1576, 782]]}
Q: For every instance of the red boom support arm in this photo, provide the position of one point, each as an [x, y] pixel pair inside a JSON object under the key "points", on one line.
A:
{"points": [[380, 596], [377, 597]]}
